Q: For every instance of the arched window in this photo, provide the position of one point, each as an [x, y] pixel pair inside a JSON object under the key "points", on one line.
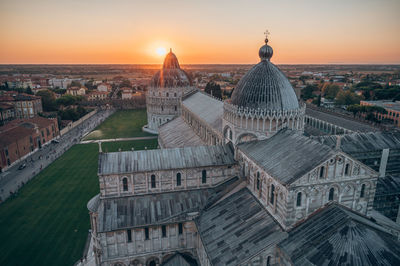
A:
{"points": [[258, 180], [125, 184], [298, 202], [321, 172], [269, 261], [162, 108], [230, 134], [175, 94], [271, 198], [346, 169], [167, 94], [178, 179], [176, 108], [204, 176], [331, 193], [362, 194], [153, 181]]}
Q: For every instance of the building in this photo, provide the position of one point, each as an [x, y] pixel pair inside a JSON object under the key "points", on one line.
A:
{"points": [[76, 91], [104, 87], [62, 83], [238, 183], [392, 108], [381, 152], [22, 136], [167, 87], [97, 96], [126, 93], [26, 105], [7, 113]]}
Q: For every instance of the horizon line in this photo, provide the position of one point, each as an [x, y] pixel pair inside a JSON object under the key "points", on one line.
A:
{"points": [[8, 64]]}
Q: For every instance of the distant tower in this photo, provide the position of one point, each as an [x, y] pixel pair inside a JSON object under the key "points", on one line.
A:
{"points": [[262, 103], [165, 92]]}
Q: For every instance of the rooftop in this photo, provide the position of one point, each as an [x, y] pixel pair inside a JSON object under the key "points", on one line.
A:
{"points": [[335, 235], [340, 121], [237, 228], [265, 86], [207, 108], [286, 149], [178, 134], [363, 142], [164, 159], [171, 74], [152, 209]]}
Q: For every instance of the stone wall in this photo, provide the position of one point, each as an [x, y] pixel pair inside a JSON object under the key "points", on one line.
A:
{"points": [[250, 124], [353, 186], [165, 180], [117, 248], [208, 134]]}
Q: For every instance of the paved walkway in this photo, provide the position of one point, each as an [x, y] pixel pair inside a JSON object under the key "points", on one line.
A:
{"points": [[118, 139], [13, 179]]}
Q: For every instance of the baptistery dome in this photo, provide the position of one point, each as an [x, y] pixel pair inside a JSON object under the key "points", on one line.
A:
{"points": [[171, 75], [264, 86]]}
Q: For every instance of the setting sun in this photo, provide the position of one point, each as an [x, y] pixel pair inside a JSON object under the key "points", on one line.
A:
{"points": [[161, 51]]}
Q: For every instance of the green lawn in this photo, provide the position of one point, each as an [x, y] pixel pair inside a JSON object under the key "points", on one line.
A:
{"points": [[47, 223], [127, 145], [122, 124]]}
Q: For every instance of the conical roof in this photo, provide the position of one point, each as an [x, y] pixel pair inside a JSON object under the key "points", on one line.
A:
{"points": [[171, 75]]}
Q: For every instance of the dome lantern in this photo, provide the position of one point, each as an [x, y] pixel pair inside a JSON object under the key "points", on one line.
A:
{"points": [[266, 51]]}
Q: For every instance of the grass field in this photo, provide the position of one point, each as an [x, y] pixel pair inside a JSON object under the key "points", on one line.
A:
{"points": [[121, 124], [127, 145], [47, 223]]}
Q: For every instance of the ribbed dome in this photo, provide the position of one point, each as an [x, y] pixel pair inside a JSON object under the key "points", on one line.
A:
{"points": [[171, 75], [264, 86]]}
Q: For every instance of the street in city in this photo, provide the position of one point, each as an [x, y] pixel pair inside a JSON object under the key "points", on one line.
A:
{"points": [[19, 174]]}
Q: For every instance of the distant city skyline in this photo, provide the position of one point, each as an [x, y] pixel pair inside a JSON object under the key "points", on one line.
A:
{"points": [[199, 32]]}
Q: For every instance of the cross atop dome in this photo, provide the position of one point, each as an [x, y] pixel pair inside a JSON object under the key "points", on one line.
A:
{"points": [[267, 33], [266, 51]]}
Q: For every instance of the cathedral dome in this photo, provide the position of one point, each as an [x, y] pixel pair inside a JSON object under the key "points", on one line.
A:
{"points": [[264, 86], [171, 75]]}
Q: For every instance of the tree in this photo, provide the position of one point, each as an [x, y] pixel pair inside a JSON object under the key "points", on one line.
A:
{"points": [[29, 90], [66, 100], [60, 91], [213, 89], [330, 90], [347, 98], [307, 92], [48, 100]]}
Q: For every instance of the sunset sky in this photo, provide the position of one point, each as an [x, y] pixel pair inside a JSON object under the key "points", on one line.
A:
{"points": [[206, 31]]}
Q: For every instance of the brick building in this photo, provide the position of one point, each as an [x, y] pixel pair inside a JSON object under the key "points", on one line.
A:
{"points": [[7, 113], [22, 136]]}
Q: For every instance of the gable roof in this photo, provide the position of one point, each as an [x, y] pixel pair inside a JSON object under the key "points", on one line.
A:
{"points": [[237, 228], [177, 134], [164, 159], [287, 155], [364, 142], [336, 235], [157, 208], [207, 108]]}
